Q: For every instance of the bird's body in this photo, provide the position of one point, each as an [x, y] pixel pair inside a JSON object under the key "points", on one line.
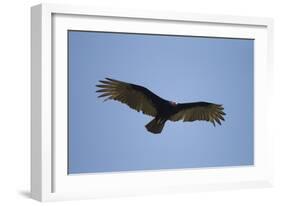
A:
{"points": [[142, 99]]}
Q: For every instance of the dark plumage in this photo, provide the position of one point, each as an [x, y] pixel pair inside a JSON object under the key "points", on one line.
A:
{"points": [[141, 99]]}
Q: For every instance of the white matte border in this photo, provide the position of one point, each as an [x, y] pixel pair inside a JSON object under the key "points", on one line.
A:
{"points": [[56, 184]]}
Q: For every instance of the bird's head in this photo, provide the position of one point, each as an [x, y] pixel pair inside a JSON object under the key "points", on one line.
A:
{"points": [[173, 103]]}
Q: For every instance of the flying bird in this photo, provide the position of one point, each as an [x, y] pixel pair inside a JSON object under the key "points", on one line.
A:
{"points": [[141, 99]]}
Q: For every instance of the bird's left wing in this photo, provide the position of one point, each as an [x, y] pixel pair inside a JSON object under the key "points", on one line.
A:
{"points": [[198, 111], [136, 97]]}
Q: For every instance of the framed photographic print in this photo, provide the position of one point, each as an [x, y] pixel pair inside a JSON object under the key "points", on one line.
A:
{"points": [[137, 102]]}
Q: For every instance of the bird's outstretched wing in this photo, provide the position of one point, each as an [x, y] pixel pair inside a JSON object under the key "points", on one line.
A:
{"points": [[199, 111], [136, 97]]}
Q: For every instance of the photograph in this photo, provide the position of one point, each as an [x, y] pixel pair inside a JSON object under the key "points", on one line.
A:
{"points": [[150, 102]]}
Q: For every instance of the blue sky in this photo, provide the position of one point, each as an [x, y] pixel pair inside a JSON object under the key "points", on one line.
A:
{"points": [[109, 136]]}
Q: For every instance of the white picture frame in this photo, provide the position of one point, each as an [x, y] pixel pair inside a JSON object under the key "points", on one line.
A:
{"points": [[49, 178]]}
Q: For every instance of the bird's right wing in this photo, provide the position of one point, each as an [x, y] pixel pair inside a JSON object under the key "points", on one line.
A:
{"points": [[136, 97], [198, 111]]}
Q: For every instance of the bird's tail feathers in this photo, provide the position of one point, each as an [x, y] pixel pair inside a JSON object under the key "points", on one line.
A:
{"points": [[155, 126]]}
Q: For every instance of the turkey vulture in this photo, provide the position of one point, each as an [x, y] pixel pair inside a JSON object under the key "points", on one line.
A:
{"points": [[141, 99]]}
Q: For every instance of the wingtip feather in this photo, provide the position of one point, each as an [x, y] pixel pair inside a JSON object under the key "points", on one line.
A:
{"points": [[104, 82]]}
